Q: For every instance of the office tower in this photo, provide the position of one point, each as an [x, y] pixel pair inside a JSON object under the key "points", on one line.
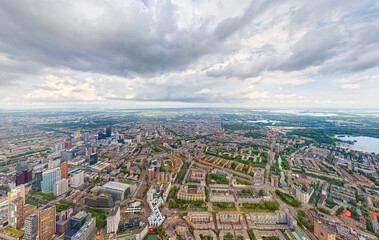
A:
{"points": [[108, 131], [86, 137], [93, 159], [36, 185], [151, 173], [68, 145], [49, 177], [138, 139], [64, 170], [77, 135], [77, 179], [113, 219], [16, 213], [67, 156], [20, 166], [79, 220], [87, 231], [60, 187], [18, 192], [31, 226], [46, 222], [53, 163], [23, 177]]}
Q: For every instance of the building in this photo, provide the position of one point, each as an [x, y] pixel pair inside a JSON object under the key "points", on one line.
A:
{"points": [[63, 226], [31, 226], [60, 187], [53, 164], [78, 221], [11, 234], [64, 169], [87, 231], [15, 193], [29, 209], [36, 185], [191, 193], [101, 201], [322, 232], [77, 135], [302, 196], [118, 191], [277, 217], [77, 179], [108, 131], [68, 145], [23, 177], [276, 148], [274, 181], [200, 220], [16, 213], [46, 222], [113, 219], [374, 221], [49, 177], [151, 174], [138, 139], [93, 159], [86, 137], [164, 177]]}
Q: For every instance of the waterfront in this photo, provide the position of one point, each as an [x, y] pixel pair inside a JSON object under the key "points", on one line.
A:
{"points": [[365, 144]]}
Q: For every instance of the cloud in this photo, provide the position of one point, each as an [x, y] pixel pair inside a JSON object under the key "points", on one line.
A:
{"points": [[217, 52]]}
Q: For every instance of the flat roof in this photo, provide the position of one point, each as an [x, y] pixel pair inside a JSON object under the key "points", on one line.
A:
{"points": [[116, 186]]}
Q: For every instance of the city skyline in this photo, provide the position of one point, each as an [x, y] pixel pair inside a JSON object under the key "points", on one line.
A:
{"points": [[152, 54]]}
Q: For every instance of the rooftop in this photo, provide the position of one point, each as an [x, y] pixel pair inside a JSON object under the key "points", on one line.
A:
{"points": [[117, 186]]}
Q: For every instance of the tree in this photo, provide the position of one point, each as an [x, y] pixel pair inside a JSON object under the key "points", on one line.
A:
{"points": [[261, 193]]}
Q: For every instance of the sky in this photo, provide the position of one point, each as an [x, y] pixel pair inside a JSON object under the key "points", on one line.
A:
{"points": [[181, 53]]}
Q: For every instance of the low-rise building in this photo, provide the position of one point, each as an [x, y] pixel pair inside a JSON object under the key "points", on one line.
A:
{"points": [[191, 193]]}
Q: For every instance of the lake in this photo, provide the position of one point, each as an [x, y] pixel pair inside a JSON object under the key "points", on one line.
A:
{"points": [[364, 144]]}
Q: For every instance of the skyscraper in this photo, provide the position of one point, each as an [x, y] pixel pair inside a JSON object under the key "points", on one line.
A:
{"points": [[108, 131], [49, 177], [16, 213], [23, 177], [46, 222], [68, 145], [36, 185], [18, 192], [93, 159], [64, 170], [77, 135], [86, 137]]}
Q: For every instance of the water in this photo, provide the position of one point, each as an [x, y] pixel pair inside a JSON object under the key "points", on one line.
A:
{"points": [[363, 144], [282, 176]]}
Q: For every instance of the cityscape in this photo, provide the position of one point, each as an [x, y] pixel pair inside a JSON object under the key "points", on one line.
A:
{"points": [[188, 174], [189, 120]]}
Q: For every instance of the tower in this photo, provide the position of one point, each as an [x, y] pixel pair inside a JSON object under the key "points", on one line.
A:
{"points": [[46, 222]]}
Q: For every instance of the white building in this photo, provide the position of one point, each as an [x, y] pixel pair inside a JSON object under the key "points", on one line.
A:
{"points": [[113, 219], [60, 187], [77, 179]]}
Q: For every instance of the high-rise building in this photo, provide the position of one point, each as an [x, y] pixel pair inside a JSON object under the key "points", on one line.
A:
{"points": [[67, 156], [150, 174], [49, 177], [31, 226], [64, 169], [86, 137], [60, 187], [87, 231], [93, 159], [77, 135], [139, 139], [276, 148], [113, 219], [17, 192], [108, 131], [46, 222], [322, 232], [16, 213], [77, 179], [20, 166], [68, 145], [53, 163], [23, 177], [36, 185]]}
